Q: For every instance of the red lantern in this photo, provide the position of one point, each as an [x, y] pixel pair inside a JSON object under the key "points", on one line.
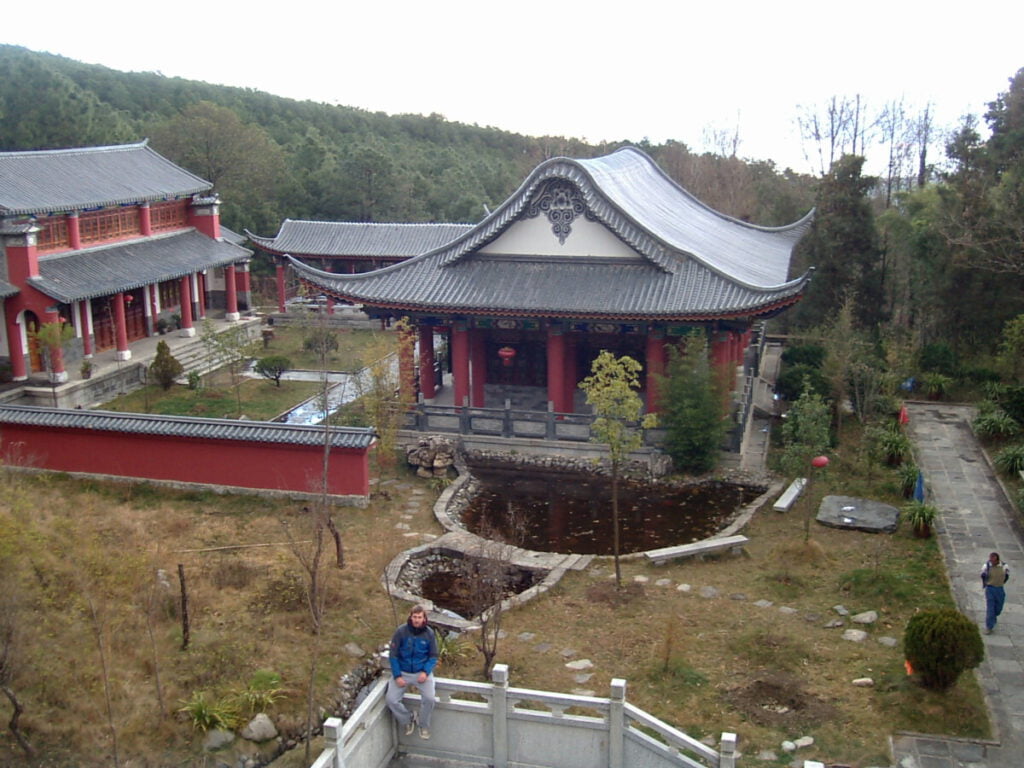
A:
{"points": [[507, 354], [128, 299], [819, 462]]}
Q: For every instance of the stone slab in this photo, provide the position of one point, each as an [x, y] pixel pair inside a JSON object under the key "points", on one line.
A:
{"points": [[856, 514]]}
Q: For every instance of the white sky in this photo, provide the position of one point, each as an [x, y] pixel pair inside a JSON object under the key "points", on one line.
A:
{"points": [[661, 70]]}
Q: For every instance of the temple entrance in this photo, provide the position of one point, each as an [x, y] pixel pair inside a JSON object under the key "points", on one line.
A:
{"points": [[35, 354]]}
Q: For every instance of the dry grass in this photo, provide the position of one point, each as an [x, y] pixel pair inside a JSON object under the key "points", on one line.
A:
{"points": [[702, 664], [65, 544], [709, 665]]}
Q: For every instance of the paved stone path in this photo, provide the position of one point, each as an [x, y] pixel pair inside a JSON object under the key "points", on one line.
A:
{"points": [[975, 519]]}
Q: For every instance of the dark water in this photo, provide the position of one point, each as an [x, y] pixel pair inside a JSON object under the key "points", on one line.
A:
{"points": [[472, 586], [560, 512]]}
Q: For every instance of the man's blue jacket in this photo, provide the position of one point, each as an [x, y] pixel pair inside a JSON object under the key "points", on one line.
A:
{"points": [[413, 649]]}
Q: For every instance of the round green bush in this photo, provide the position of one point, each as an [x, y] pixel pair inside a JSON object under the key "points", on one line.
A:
{"points": [[942, 644]]}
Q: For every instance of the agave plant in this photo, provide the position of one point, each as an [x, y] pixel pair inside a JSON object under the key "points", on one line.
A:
{"points": [[921, 517], [1010, 460], [996, 423]]}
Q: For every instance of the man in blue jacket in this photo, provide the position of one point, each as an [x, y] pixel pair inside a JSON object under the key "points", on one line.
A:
{"points": [[413, 655]]}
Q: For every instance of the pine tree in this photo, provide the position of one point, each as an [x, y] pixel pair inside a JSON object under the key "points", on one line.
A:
{"points": [[165, 368], [692, 408]]}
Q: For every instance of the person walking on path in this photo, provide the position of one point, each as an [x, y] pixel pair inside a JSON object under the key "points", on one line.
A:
{"points": [[993, 576], [413, 656]]}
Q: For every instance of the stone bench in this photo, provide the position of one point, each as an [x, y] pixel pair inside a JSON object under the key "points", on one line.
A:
{"points": [[791, 494], [698, 548]]}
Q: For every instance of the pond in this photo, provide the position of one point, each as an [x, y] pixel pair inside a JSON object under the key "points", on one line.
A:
{"points": [[572, 512]]}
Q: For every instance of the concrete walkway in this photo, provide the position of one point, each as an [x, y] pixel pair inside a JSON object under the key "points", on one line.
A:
{"points": [[976, 518]]}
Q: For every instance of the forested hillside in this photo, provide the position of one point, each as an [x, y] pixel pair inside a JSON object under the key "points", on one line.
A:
{"points": [[272, 157], [931, 253]]}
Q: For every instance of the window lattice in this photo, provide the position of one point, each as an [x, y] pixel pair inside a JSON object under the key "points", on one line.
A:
{"points": [[109, 224], [53, 235], [168, 215]]}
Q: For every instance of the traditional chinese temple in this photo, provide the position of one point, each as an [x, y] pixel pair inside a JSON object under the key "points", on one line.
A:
{"points": [[117, 242], [587, 255], [347, 246]]}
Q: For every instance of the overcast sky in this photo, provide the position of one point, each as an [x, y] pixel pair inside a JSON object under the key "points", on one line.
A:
{"points": [[660, 70]]}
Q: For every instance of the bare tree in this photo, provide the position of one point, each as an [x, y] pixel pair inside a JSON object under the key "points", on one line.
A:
{"points": [[10, 616], [837, 128]]}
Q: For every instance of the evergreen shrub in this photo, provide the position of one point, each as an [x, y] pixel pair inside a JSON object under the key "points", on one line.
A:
{"points": [[941, 645], [165, 368], [938, 358], [1010, 460], [799, 378], [812, 355]]}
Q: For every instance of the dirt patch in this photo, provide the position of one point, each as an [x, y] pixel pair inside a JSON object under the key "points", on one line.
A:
{"points": [[779, 701], [606, 593]]}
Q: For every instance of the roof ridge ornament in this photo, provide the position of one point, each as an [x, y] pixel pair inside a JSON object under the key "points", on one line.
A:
{"points": [[562, 202]]}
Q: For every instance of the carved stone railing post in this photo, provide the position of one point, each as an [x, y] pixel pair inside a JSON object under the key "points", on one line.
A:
{"points": [[617, 724], [727, 751], [332, 740], [499, 709]]}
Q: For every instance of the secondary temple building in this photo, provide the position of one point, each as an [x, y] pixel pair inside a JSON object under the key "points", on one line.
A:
{"points": [[587, 255], [117, 242]]}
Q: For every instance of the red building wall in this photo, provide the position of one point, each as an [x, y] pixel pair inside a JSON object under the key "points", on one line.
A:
{"points": [[272, 466]]}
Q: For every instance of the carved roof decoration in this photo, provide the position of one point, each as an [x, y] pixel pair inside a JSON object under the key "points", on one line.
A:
{"points": [[692, 262]]}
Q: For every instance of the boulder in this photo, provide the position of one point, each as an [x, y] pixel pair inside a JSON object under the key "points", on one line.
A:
{"points": [[260, 728]]}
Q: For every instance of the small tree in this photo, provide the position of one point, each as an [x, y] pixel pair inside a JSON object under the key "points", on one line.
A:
{"points": [[51, 338], [382, 394], [230, 349], [611, 391], [692, 408], [273, 367], [165, 368], [940, 645]]}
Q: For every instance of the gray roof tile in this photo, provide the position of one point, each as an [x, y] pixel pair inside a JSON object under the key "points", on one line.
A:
{"points": [[6, 289], [106, 269], [185, 426], [345, 238], [691, 262], [75, 179]]}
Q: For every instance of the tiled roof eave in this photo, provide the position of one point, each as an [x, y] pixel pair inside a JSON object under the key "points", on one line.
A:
{"points": [[83, 291], [770, 307], [185, 426]]}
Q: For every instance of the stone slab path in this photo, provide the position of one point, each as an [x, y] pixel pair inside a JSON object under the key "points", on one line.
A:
{"points": [[975, 518]]}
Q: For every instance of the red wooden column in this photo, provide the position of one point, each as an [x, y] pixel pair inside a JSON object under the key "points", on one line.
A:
{"points": [[201, 294], [571, 374], [478, 366], [145, 220], [460, 362], [556, 367], [406, 371], [74, 231], [16, 349], [427, 384], [187, 329], [279, 278], [121, 328], [655, 367], [85, 325], [231, 293]]}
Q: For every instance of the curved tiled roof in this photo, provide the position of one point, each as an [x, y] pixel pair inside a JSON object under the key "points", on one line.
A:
{"points": [[56, 180], [692, 262], [185, 426], [6, 289], [105, 269], [349, 238]]}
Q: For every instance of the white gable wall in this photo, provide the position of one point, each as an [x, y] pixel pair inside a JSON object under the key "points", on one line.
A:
{"points": [[533, 237]]}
